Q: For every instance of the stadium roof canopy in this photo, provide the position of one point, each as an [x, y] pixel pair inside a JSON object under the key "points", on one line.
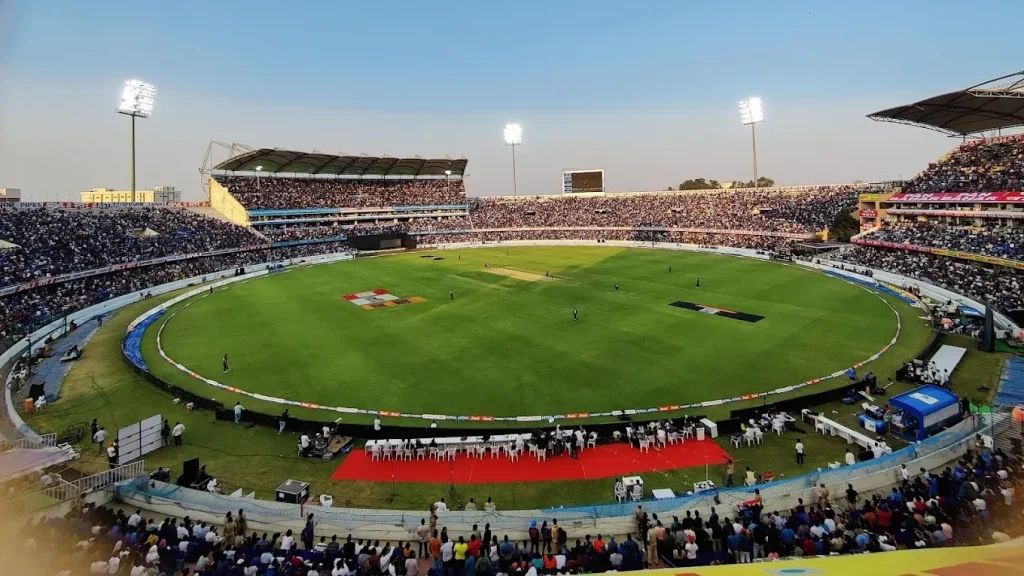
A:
{"points": [[991, 105], [274, 161]]}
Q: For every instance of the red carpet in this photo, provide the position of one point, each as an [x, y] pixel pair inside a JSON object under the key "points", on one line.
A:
{"points": [[605, 461]]}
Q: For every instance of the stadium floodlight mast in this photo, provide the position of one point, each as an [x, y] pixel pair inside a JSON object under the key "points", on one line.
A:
{"points": [[137, 100], [752, 113], [513, 138], [258, 170], [447, 175]]}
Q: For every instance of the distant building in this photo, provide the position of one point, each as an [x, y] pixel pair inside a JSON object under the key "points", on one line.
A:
{"points": [[10, 195], [158, 195]]}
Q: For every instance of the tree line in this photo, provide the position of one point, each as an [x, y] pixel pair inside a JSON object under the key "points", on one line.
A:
{"points": [[705, 184]]}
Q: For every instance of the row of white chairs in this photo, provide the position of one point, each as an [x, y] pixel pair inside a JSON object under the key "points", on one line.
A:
{"points": [[751, 436], [479, 451], [663, 440]]}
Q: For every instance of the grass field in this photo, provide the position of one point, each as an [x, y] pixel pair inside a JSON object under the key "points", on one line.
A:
{"points": [[102, 386], [508, 345]]}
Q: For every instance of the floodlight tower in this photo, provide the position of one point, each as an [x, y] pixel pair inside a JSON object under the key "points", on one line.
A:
{"points": [[447, 186], [136, 101], [513, 138], [752, 113]]}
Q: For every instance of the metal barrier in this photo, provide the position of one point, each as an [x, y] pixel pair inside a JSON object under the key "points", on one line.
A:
{"points": [[111, 477], [36, 443], [62, 490]]}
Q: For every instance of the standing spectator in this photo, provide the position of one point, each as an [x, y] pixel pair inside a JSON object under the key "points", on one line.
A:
{"points": [[176, 433], [99, 438], [282, 422], [423, 536], [112, 455], [238, 412], [800, 452], [165, 432]]}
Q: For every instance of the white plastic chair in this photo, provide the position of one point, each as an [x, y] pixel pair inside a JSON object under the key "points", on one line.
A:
{"points": [[533, 449], [748, 436], [645, 445], [434, 453], [513, 455], [407, 454], [637, 493], [480, 451], [450, 453], [778, 427], [592, 442], [662, 438], [495, 450], [737, 441], [758, 436], [688, 432], [386, 452], [819, 426], [374, 453], [620, 493], [542, 455], [580, 444], [421, 453], [673, 438]]}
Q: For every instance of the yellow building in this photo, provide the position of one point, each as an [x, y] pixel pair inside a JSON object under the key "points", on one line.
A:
{"points": [[872, 209], [158, 195]]}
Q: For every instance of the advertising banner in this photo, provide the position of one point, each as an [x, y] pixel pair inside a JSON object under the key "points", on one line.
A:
{"points": [[959, 197]]}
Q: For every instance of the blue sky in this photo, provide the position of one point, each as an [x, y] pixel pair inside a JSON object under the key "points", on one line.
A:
{"points": [[646, 90]]}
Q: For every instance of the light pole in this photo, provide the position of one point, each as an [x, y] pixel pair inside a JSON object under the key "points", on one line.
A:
{"points": [[752, 113], [513, 138], [447, 186], [136, 101]]}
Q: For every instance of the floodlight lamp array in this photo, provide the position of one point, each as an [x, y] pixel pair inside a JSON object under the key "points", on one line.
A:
{"points": [[137, 99], [751, 111], [513, 134]]}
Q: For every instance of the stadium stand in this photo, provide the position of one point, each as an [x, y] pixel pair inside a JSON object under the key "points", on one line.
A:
{"points": [[292, 193], [993, 240], [998, 285], [975, 166], [52, 242], [964, 504]]}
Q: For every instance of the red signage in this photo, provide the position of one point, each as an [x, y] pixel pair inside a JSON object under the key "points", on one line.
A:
{"points": [[869, 213], [960, 197]]}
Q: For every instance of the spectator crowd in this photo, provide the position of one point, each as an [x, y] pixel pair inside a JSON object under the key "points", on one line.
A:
{"points": [[999, 285], [975, 166], [801, 212], [999, 241], [284, 193], [970, 502], [51, 242]]}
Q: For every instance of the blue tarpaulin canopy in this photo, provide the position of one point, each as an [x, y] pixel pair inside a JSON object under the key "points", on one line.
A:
{"points": [[929, 409], [971, 312]]}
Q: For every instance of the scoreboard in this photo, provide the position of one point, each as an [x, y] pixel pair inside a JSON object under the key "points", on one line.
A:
{"points": [[582, 181]]}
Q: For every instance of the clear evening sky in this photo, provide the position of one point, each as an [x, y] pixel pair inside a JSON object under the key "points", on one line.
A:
{"points": [[646, 90]]}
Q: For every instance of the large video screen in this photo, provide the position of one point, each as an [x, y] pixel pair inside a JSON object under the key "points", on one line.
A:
{"points": [[582, 181]]}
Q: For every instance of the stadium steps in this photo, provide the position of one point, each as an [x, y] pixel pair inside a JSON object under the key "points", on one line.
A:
{"points": [[212, 213]]}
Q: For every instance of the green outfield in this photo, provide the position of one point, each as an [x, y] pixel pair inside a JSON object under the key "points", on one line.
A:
{"points": [[507, 344]]}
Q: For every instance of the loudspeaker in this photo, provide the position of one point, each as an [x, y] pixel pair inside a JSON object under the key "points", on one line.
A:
{"points": [[189, 471], [988, 333]]}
